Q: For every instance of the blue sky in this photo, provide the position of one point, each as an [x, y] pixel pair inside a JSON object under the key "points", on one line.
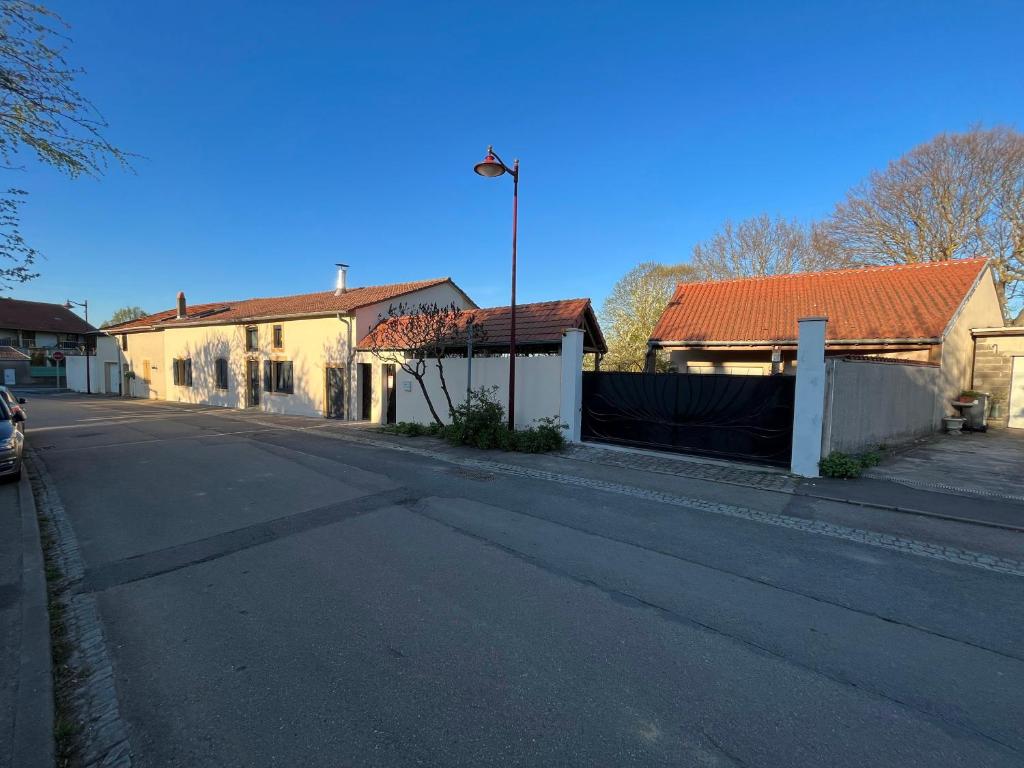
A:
{"points": [[281, 137]]}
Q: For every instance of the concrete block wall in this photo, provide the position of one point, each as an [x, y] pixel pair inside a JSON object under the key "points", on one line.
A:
{"points": [[993, 364]]}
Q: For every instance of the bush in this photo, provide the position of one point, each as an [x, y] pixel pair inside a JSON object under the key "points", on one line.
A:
{"points": [[411, 429], [843, 465], [545, 437], [479, 421]]}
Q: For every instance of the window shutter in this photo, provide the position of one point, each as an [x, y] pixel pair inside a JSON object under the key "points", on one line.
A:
{"points": [[266, 377], [188, 372], [285, 378], [177, 376]]}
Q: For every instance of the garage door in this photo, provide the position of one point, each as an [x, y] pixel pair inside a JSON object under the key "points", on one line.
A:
{"points": [[1017, 394]]}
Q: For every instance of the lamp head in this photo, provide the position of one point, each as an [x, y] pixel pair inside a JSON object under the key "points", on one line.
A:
{"points": [[67, 304], [490, 166]]}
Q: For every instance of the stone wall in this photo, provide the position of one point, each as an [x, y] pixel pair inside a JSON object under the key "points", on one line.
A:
{"points": [[993, 362]]}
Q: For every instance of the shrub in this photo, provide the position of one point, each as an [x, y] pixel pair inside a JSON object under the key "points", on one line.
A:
{"points": [[545, 437], [844, 465], [479, 421], [411, 429]]}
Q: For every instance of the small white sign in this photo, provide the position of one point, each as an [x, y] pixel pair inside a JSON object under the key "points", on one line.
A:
{"points": [[407, 386], [8, 377]]}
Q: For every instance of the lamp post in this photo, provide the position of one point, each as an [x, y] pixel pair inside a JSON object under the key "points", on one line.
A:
{"points": [[68, 304], [492, 166]]}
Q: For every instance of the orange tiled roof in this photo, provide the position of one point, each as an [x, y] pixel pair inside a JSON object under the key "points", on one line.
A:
{"points": [[538, 323], [245, 310], [11, 354], [911, 301]]}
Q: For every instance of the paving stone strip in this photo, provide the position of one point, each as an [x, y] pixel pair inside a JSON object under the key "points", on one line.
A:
{"points": [[103, 737], [955, 555], [667, 465]]}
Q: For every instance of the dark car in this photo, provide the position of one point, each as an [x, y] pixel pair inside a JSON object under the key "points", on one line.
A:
{"points": [[14, 405], [12, 442]]}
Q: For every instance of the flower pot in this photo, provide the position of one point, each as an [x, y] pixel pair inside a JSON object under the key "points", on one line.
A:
{"points": [[953, 424]]}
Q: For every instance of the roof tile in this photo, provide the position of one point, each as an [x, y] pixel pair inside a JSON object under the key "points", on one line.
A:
{"points": [[277, 306], [911, 301]]}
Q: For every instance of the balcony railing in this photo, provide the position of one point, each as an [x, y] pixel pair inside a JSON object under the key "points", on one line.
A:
{"points": [[69, 347]]}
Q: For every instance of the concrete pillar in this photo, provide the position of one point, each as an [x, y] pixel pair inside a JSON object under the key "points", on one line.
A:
{"points": [[571, 409], [810, 396]]}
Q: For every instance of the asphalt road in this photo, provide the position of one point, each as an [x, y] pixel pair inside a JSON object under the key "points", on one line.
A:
{"points": [[274, 594]]}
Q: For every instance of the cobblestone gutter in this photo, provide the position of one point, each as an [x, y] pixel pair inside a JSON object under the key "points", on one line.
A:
{"points": [[92, 732]]}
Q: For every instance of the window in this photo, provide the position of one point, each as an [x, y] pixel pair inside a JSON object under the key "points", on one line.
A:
{"points": [[252, 338], [124, 342], [278, 337], [183, 372], [277, 377], [221, 367]]}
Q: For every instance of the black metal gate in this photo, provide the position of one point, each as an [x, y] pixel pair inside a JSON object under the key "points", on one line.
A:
{"points": [[732, 417]]}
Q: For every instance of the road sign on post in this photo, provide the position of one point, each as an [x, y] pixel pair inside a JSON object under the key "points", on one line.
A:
{"points": [[58, 356]]}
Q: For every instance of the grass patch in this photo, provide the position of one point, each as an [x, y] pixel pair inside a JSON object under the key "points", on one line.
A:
{"points": [[844, 465], [65, 677]]}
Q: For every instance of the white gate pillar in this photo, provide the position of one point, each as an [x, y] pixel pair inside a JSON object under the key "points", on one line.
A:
{"points": [[809, 406], [571, 403]]}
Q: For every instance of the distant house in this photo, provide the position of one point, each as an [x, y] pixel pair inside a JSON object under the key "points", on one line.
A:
{"points": [[283, 354], [30, 331], [919, 312]]}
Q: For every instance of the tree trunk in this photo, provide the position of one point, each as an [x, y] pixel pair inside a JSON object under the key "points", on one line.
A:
{"points": [[444, 386], [430, 405]]}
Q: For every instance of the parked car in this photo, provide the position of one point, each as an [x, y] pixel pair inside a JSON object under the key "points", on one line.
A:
{"points": [[12, 442], [14, 405]]}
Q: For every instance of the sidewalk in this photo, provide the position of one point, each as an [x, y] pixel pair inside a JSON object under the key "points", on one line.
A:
{"points": [[26, 692]]}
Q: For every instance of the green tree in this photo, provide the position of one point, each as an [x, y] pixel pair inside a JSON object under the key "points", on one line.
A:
{"points": [[43, 115], [632, 309], [123, 315]]}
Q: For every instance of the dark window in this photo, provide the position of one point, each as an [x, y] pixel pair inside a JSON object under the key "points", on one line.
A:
{"points": [[183, 372], [124, 342], [28, 339], [252, 338], [278, 337], [283, 377], [277, 377], [222, 373]]}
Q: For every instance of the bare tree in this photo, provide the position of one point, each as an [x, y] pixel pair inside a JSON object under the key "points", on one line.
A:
{"points": [[761, 246], [42, 113], [412, 337], [958, 195], [632, 310]]}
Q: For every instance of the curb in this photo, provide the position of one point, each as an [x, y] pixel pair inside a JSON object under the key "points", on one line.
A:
{"points": [[33, 716]]}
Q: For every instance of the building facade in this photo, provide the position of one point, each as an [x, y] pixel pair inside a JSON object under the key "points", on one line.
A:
{"points": [[290, 355]]}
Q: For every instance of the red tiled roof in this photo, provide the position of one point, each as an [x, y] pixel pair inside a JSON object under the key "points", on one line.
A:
{"points": [[40, 316], [538, 323], [12, 354], [912, 301], [324, 302]]}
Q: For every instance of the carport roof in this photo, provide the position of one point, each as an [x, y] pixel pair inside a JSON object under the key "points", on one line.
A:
{"points": [[11, 354], [904, 303], [537, 325], [301, 305]]}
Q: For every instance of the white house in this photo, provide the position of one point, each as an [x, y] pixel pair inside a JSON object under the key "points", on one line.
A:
{"points": [[288, 354]]}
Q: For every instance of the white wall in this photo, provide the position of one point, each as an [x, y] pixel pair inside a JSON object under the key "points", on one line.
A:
{"points": [[538, 387], [107, 351], [871, 403]]}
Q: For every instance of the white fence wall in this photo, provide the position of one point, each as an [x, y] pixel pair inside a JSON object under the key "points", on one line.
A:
{"points": [[869, 403], [107, 352], [538, 387]]}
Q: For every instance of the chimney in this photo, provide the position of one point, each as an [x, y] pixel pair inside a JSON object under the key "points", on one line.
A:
{"points": [[342, 284], [181, 305]]}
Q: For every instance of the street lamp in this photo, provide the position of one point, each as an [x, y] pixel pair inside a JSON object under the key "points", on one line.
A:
{"points": [[491, 167], [68, 304]]}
